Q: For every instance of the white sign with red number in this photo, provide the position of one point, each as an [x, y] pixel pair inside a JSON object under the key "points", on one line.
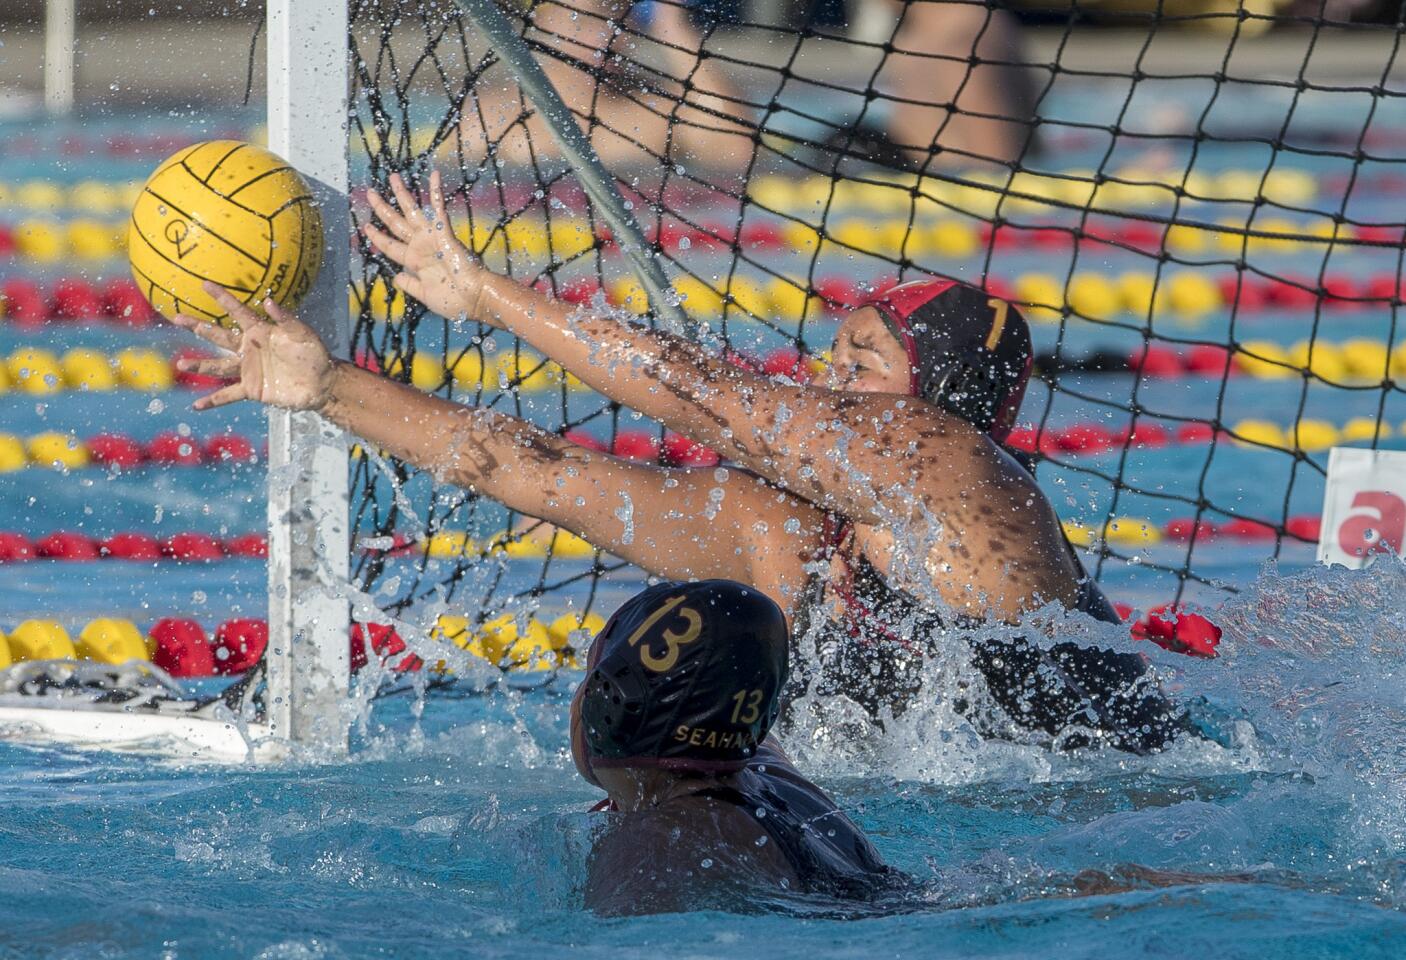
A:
{"points": [[1364, 507]]}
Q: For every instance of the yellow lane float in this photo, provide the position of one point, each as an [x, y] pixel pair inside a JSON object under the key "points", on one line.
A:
{"points": [[41, 640], [35, 370], [111, 640], [141, 369], [58, 450], [87, 369], [13, 455]]}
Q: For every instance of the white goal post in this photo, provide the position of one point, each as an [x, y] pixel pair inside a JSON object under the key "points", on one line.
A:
{"points": [[309, 541], [309, 536]]}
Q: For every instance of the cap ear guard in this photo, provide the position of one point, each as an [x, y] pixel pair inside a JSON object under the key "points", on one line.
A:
{"points": [[613, 708]]}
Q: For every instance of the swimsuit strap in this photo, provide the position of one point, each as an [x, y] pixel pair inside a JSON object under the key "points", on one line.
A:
{"points": [[837, 541], [833, 531]]}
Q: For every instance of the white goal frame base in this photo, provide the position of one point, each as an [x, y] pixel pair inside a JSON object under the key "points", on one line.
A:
{"points": [[189, 738]]}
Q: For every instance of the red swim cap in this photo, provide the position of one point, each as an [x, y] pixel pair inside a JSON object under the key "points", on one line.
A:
{"points": [[969, 352]]}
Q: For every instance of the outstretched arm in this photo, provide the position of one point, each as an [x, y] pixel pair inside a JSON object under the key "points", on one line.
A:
{"points": [[673, 523], [986, 535], [833, 448]]}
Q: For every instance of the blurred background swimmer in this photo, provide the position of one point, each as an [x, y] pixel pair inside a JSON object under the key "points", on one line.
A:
{"points": [[644, 97]]}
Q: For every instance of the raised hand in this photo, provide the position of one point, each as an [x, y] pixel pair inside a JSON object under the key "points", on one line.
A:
{"points": [[437, 269], [278, 361]]}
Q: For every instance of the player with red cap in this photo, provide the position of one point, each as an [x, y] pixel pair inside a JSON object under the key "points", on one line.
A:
{"points": [[879, 509]]}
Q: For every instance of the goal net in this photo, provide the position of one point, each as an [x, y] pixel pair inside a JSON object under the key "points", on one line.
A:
{"points": [[1197, 205]]}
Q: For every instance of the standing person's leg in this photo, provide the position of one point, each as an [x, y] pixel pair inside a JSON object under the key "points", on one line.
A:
{"points": [[960, 91]]}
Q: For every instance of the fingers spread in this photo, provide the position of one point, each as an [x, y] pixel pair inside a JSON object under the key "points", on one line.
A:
{"points": [[276, 313], [391, 247], [437, 200], [225, 395], [219, 336], [238, 312], [227, 367], [408, 207], [389, 215]]}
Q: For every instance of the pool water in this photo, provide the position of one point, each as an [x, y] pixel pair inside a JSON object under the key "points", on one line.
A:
{"points": [[461, 830], [457, 825]]}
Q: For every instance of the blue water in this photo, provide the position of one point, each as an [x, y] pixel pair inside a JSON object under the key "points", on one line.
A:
{"points": [[462, 833], [457, 825]]}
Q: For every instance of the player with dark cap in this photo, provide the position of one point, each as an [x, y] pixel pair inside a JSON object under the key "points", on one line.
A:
{"points": [[879, 508], [681, 688]]}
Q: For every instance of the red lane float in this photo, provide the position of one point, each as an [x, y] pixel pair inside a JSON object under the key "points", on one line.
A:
{"points": [[1178, 630], [193, 548], [132, 546], [172, 449], [73, 298], [252, 545], [679, 451], [124, 302], [71, 546], [16, 547], [1305, 527], [787, 362], [228, 446], [24, 303], [239, 644], [115, 450], [639, 445], [181, 648], [1093, 438], [67, 546], [385, 643], [583, 439]]}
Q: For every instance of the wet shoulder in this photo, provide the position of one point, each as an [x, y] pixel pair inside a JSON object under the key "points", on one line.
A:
{"points": [[694, 853]]}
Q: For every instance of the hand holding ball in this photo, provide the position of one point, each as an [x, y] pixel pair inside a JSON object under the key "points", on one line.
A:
{"points": [[276, 360], [229, 213]]}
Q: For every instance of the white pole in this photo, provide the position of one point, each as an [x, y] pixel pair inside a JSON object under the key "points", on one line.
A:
{"points": [[60, 32], [309, 545]]}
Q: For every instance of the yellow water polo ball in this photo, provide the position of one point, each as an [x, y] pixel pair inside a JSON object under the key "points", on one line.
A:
{"points": [[229, 212]]}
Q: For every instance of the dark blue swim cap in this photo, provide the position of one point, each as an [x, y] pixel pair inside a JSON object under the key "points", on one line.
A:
{"points": [[685, 676]]}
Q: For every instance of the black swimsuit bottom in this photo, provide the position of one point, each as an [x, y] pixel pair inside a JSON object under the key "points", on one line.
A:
{"points": [[1078, 696]]}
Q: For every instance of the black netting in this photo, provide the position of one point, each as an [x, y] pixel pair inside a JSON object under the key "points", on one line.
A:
{"points": [[1199, 205]]}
